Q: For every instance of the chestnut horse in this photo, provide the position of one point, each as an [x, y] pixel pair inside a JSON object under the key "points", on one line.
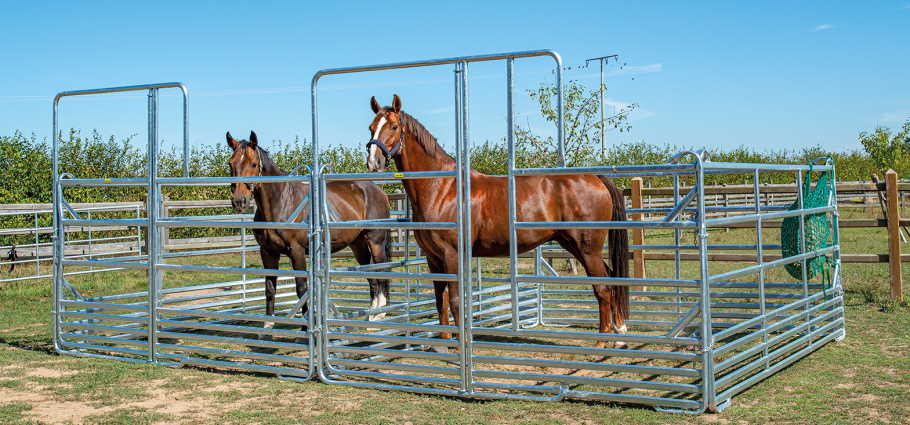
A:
{"points": [[277, 201], [399, 136]]}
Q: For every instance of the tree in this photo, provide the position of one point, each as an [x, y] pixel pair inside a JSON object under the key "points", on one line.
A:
{"points": [[889, 149], [581, 120]]}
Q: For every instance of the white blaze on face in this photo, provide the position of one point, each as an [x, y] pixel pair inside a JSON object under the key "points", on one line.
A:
{"points": [[376, 159], [378, 302]]}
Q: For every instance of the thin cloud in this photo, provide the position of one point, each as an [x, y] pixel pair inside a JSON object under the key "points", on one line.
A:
{"points": [[822, 27]]}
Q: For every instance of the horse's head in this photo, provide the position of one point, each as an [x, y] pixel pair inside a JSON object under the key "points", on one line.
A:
{"points": [[387, 136], [245, 162]]}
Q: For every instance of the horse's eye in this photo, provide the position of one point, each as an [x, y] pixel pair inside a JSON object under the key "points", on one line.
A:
{"points": [[394, 126], [255, 165]]}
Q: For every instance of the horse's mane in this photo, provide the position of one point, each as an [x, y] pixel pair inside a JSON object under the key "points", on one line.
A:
{"points": [[424, 137], [268, 166]]}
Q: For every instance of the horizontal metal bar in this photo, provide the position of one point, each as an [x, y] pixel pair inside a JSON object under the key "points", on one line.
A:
{"points": [[748, 382], [391, 224], [234, 270], [108, 222], [776, 263], [711, 165], [614, 281], [244, 366], [590, 336], [721, 221], [629, 170], [104, 306], [221, 181], [388, 325], [585, 380], [235, 353], [395, 366], [434, 62], [114, 182], [335, 273], [119, 89], [389, 176], [604, 224], [233, 316], [233, 224], [573, 364], [118, 264]]}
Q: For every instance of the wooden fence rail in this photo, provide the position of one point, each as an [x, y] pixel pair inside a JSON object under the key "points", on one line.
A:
{"points": [[638, 196]]}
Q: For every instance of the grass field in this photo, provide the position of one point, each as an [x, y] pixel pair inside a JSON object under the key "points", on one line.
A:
{"points": [[863, 379]]}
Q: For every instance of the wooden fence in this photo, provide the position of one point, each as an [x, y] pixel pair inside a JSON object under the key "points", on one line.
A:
{"points": [[867, 196]]}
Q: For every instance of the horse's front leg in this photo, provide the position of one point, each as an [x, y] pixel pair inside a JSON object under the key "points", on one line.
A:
{"points": [[269, 261]]}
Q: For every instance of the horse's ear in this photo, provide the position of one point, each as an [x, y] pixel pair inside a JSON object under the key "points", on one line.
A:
{"points": [[253, 139], [396, 104], [375, 105], [230, 141]]}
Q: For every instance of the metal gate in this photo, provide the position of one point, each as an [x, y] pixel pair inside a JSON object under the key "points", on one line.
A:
{"points": [[175, 320], [700, 332]]}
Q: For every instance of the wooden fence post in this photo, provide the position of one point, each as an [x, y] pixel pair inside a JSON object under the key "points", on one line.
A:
{"points": [[638, 235], [894, 242]]}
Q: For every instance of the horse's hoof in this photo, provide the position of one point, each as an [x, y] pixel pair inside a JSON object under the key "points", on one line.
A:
{"points": [[621, 345]]}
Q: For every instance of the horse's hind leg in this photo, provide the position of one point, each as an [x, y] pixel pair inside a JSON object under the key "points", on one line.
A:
{"points": [[587, 248], [269, 261], [442, 300]]}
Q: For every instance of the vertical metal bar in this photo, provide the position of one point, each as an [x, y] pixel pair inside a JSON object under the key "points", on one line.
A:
{"points": [[467, 303], [560, 127], [676, 242], [37, 256], [243, 262], [186, 131], [138, 231], [707, 333], [760, 254], [319, 352], [89, 213], [538, 257], [313, 286], [59, 235], [513, 234], [153, 198], [603, 124], [802, 241]]}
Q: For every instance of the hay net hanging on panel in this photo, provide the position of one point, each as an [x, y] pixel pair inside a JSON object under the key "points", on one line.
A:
{"points": [[817, 228]]}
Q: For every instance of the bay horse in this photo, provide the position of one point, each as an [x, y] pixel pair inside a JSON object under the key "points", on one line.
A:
{"points": [[275, 202], [399, 136]]}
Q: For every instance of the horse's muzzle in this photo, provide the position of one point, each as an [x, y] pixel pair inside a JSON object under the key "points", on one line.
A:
{"points": [[242, 204], [377, 156]]}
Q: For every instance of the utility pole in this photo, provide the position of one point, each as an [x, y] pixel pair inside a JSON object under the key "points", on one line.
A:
{"points": [[603, 61]]}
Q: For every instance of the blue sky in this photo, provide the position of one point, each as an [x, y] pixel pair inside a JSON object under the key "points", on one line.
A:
{"points": [[769, 75]]}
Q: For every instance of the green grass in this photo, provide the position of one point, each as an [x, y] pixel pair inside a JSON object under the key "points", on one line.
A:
{"points": [[863, 379]]}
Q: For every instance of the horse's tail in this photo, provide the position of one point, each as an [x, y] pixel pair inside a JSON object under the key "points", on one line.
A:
{"points": [[618, 240]]}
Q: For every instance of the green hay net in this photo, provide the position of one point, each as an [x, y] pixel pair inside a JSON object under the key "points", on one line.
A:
{"points": [[817, 228]]}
